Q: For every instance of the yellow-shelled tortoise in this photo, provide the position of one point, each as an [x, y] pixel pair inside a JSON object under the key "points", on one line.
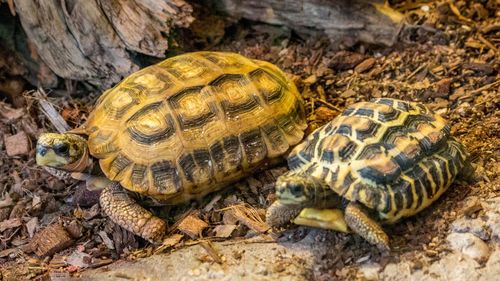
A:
{"points": [[377, 162], [178, 130]]}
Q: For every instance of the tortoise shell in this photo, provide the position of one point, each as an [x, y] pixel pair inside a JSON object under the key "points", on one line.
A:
{"points": [[193, 123], [393, 156]]}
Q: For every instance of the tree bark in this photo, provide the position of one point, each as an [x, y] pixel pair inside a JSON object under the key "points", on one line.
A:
{"points": [[96, 40], [344, 22], [89, 40]]}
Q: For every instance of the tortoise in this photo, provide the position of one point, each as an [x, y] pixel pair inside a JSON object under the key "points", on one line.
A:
{"points": [[178, 130], [377, 162]]}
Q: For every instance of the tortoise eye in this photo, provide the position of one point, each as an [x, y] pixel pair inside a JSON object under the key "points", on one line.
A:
{"points": [[296, 189], [61, 148]]}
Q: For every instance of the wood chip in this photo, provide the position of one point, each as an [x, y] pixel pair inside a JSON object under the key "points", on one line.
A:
{"points": [[344, 60], [106, 240], [10, 113], [224, 230], [249, 217], [480, 68], [325, 114], [8, 252], [169, 242], [172, 240], [212, 202], [32, 226], [6, 202], [443, 87], [17, 144], [211, 251], [310, 80], [8, 224], [192, 226], [50, 240], [75, 229], [4, 213], [365, 65], [79, 259], [348, 93]]}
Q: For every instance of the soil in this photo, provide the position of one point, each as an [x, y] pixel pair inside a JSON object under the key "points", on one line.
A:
{"points": [[447, 57]]}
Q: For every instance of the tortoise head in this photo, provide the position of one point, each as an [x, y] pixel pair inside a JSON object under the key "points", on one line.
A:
{"points": [[299, 189], [67, 152]]}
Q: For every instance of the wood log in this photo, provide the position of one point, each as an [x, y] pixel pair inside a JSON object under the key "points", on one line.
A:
{"points": [[90, 40], [345, 22]]}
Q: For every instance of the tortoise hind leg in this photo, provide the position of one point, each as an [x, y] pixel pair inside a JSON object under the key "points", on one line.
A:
{"points": [[124, 211], [361, 223]]}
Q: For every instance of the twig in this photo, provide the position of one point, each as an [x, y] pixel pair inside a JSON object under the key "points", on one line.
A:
{"points": [[417, 71], [486, 42], [485, 87], [50, 112], [457, 13], [207, 245], [329, 105]]}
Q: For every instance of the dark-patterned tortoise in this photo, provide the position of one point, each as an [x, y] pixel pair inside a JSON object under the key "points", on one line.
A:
{"points": [[178, 130], [377, 162]]}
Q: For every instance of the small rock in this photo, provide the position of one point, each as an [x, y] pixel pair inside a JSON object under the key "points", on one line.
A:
{"points": [[50, 240], [17, 144], [192, 226], [476, 226], [492, 267], [452, 267], [470, 245], [493, 222], [365, 65]]}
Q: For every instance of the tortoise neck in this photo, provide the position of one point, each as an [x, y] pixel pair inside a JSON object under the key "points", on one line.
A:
{"points": [[81, 165]]}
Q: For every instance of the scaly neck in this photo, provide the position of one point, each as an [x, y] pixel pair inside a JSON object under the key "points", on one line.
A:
{"points": [[82, 165]]}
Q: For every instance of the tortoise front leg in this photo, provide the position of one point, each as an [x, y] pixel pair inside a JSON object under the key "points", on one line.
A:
{"points": [[124, 211], [278, 214], [361, 223]]}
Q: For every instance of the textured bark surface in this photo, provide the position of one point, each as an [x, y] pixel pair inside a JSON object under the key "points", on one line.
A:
{"points": [[90, 40], [344, 22]]}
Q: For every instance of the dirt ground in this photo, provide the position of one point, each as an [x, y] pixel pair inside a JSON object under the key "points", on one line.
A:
{"points": [[447, 57]]}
